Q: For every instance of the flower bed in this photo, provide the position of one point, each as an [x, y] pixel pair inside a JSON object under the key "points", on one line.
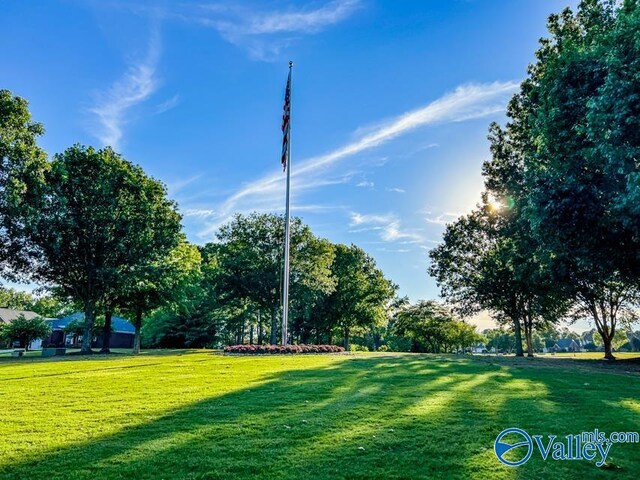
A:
{"points": [[276, 349]]}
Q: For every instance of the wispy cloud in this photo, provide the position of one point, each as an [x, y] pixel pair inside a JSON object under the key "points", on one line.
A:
{"points": [[443, 218], [198, 212], [363, 219], [365, 184], [113, 107], [167, 104], [395, 190], [177, 185], [465, 102], [265, 34], [387, 225]]}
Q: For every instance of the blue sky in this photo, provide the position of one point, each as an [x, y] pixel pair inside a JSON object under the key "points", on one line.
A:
{"points": [[390, 110]]}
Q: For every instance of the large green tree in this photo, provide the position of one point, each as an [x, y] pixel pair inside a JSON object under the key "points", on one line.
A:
{"points": [[574, 123], [488, 260], [22, 168], [101, 218]]}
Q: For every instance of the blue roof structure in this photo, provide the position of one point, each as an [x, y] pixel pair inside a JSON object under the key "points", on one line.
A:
{"points": [[118, 324]]}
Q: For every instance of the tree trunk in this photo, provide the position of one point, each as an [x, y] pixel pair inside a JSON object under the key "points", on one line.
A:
{"points": [[106, 332], [517, 329], [89, 321], [377, 341], [608, 351], [260, 330], [528, 338], [346, 338], [137, 323], [274, 326], [605, 327], [251, 334], [528, 335]]}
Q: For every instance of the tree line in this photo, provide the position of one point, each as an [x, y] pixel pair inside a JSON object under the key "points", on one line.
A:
{"points": [[101, 236], [557, 233]]}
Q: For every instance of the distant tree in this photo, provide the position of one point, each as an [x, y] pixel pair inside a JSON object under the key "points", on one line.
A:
{"points": [[51, 306], [500, 339], [309, 289], [250, 262], [22, 168], [48, 305], [434, 328], [25, 331], [4, 339], [362, 295], [488, 262], [17, 300], [160, 282], [77, 327]]}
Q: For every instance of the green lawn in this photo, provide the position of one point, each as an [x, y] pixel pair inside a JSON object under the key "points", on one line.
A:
{"points": [[198, 415]]}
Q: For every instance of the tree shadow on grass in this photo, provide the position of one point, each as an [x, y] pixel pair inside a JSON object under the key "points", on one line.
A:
{"points": [[385, 417]]}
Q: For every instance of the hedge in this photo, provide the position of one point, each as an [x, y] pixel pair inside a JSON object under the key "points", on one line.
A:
{"points": [[275, 349]]}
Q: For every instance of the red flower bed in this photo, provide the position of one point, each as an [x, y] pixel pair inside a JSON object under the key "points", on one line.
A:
{"points": [[275, 349]]}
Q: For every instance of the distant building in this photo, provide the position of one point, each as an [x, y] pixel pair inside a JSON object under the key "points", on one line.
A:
{"points": [[8, 315], [569, 345], [122, 332], [479, 348]]}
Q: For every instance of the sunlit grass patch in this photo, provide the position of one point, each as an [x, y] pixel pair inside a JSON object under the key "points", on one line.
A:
{"points": [[203, 415]]}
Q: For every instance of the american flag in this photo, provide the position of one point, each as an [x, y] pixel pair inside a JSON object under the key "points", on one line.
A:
{"points": [[286, 116]]}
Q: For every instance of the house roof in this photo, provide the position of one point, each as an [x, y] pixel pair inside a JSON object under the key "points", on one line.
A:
{"points": [[8, 315], [118, 324], [567, 342]]}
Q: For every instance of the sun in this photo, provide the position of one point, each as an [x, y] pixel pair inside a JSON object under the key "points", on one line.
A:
{"points": [[494, 204]]}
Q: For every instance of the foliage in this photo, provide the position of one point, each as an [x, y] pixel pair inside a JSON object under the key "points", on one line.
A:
{"points": [[159, 281], [433, 328], [357, 348], [500, 339], [22, 168], [558, 228], [100, 218], [47, 306], [4, 339], [77, 327], [249, 258], [574, 123], [362, 295], [25, 330]]}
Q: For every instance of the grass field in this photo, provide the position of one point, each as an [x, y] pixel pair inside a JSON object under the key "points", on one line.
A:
{"points": [[196, 415]]}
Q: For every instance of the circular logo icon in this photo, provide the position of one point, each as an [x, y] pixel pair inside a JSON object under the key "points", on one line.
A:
{"points": [[518, 441]]}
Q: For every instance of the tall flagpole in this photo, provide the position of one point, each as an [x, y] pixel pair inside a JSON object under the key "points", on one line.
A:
{"points": [[287, 224]]}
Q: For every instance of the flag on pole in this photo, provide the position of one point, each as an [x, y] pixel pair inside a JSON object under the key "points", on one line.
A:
{"points": [[286, 164], [285, 122]]}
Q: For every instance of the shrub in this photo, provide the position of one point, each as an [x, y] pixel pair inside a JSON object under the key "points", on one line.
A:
{"points": [[280, 349], [357, 348]]}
